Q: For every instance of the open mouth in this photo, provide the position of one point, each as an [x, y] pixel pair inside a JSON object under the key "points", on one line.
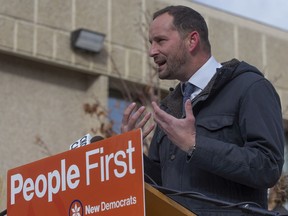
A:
{"points": [[160, 62]]}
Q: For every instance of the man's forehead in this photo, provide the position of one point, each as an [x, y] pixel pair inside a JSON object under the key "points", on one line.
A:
{"points": [[161, 24], [163, 19]]}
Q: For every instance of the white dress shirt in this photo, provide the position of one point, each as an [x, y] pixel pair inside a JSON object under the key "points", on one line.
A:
{"points": [[202, 77]]}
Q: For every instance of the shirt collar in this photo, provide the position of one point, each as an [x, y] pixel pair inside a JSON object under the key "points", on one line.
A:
{"points": [[202, 77]]}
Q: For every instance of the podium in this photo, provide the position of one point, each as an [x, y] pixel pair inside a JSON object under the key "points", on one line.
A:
{"points": [[159, 204]]}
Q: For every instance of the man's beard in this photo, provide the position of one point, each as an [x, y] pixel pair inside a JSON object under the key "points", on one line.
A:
{"points": [[174, 66]]}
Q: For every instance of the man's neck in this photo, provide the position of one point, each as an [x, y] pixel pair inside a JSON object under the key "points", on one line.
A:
{"points": [[198, 62]]}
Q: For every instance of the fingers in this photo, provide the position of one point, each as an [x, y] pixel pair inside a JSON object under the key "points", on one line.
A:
{"points": [[132, 120], [142, 124], [135, 117], [161, 117], [144, 120], [188, 110], [148, 130], [129, 118], [181, 131], [128, 111]]}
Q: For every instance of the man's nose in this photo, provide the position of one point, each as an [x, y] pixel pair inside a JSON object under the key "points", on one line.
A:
{"points": [[153, 50]]}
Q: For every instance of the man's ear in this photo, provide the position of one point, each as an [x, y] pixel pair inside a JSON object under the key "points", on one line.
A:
{"points": [[193, 40]]}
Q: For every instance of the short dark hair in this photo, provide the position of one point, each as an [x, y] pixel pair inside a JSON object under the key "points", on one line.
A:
{"points": [[186, 20]]}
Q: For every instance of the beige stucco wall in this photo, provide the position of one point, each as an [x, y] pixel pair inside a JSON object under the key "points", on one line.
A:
{"points": [[44, 84]]}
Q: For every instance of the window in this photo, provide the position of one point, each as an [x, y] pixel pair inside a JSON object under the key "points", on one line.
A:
{"points": [[116, 107]]}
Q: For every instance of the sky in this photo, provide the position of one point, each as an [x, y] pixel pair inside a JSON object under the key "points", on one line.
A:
{"points": [[270, 12]]}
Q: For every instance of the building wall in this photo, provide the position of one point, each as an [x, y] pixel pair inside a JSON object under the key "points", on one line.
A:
{"points": [[44, 83]]}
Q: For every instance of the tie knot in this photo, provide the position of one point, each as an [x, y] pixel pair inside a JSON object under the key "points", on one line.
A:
{"points": [[188, 90]]}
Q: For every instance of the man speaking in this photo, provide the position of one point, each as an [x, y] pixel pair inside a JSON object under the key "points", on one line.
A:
{"points": [[219, 132]]}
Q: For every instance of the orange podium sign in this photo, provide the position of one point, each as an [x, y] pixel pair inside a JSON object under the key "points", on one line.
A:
{"points": [[103, 178]]}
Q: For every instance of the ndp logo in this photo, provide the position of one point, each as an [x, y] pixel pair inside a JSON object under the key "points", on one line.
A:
{"points": [[76, 208]]}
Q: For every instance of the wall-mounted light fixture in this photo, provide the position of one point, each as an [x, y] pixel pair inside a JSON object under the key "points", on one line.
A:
{"points": [[87, 40]]}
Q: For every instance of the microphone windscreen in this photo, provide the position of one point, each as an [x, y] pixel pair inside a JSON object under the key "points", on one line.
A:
{"points": [[96, 139]]}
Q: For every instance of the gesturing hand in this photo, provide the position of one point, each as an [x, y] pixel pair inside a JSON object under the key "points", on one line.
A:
{"points": [[138, 119], [180, 131]]}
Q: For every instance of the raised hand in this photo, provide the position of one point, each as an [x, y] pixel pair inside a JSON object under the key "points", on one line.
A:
{"points": [[138, 119], [181, 132]]}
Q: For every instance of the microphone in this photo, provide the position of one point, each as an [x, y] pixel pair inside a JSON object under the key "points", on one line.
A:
{"points": [[3, 212], [96, 139], [85, 140]]}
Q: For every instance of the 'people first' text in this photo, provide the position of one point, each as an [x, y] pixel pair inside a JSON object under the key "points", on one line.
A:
{"points": [[97, 163]]}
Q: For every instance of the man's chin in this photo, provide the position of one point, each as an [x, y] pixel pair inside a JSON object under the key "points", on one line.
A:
{"points": [[164, 76], [161, 74]]}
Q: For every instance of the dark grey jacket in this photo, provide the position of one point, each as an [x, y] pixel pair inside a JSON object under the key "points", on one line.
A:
{"points": [[239, 140]]}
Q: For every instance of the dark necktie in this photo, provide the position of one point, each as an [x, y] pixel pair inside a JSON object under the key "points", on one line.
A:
{"points": [[188, 90]]}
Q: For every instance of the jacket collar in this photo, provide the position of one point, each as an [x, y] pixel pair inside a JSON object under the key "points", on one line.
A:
{"points": [[229, 70]]}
